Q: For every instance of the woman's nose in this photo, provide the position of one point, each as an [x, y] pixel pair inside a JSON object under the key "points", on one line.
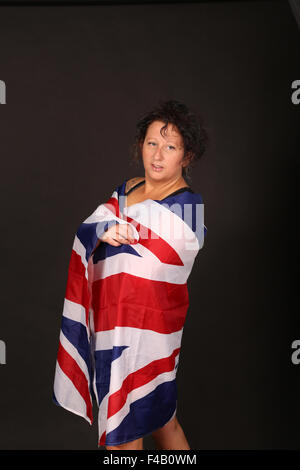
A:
{"points": [[159, 153]]}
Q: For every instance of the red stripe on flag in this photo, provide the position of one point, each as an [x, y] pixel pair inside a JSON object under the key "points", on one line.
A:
{"points": [[102, 439], [157, 245], [113, 205], [77, 285], [70, 367], [126, 300], [141, 377]]}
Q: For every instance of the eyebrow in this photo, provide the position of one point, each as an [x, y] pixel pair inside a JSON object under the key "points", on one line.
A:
{"points": [[149, 138]]}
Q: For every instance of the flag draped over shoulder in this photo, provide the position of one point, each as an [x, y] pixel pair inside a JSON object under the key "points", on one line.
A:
{"points": [[124, 312]]}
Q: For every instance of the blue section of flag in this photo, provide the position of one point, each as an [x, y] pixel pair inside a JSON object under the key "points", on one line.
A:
{"points": [[76, 333], [153, 410], [103, 360]]}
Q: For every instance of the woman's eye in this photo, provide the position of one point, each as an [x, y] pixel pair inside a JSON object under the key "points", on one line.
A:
{"points": [[171, 146]]}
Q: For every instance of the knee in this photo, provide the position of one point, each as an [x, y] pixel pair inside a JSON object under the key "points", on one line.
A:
{"points": [[113, 447], [172, 425], [169, 427], [132, 445]]}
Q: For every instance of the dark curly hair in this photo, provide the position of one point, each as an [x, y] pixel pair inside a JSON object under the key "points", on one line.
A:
{"points": [[188, 123]]}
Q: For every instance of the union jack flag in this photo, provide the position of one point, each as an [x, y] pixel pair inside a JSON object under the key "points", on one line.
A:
{"points": [[124, 312]]}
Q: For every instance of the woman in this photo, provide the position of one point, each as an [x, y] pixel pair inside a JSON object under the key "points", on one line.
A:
{"points": [[132, 292]]}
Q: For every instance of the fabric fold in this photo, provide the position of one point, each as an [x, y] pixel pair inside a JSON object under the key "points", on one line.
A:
{"points": [[124, 313]]}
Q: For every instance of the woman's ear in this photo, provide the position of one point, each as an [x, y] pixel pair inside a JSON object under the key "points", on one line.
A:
{"points": [[187, 159]]}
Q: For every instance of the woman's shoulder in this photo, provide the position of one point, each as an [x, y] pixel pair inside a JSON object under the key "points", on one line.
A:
{"points": [[130, 183]]}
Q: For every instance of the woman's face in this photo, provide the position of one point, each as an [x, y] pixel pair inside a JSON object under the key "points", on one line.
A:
{"points": [[163, 152]]}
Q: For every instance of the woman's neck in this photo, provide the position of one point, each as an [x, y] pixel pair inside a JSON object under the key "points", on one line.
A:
{"points": [[162, 187]]}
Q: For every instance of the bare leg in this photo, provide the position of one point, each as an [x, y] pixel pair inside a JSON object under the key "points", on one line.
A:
{"points": [[132, 445], [171, 437]]}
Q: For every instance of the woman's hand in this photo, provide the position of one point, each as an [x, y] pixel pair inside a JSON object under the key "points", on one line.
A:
{"points": [[116, 235]]}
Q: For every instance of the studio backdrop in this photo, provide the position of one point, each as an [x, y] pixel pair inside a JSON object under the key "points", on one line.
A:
{"points": [[74, 81]]}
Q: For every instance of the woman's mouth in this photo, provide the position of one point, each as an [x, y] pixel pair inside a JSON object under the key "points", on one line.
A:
{"points": [[156, 167]]}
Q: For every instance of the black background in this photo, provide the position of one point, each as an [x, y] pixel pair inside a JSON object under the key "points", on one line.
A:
{"points": [[78, 78]]}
